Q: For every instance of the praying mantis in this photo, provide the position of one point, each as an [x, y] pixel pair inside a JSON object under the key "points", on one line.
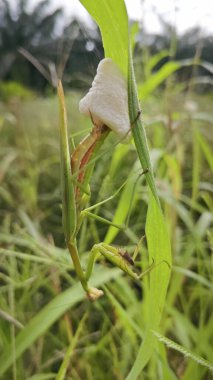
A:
{"points": [[76, 171]]}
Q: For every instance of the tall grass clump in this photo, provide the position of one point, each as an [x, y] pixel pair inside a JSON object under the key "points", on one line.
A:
{"points": [[121, 212], [86, 152]]}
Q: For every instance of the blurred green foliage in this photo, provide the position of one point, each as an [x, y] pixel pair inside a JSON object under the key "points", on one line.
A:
{"points": [[36, 270], [10, 90], [44, 317]]}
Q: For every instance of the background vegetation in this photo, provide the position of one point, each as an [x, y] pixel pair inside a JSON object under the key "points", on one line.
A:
{"points": [[45, 319]]}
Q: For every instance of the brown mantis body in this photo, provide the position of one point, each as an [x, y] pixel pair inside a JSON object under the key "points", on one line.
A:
{"points": [[126, 256], [82, 155]]}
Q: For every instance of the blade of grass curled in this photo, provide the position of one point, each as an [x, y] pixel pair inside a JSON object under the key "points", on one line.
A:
{"points": [[156, 234], [67, 189], [138, 130]]}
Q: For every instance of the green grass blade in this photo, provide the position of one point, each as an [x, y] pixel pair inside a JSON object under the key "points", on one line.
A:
{"points": [[68, 199], [207, 151], [159, 249], [66, 362], [138, 130], [129, 324], [48, 315], [196, 166], [42, 376], [156, 58], [157, 78], [111, 16]]}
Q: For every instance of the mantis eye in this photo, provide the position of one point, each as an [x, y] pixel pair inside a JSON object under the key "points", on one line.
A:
{"points": [[107, 99]]}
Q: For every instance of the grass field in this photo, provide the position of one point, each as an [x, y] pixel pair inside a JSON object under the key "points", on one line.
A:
{"points": [[45, 317]]}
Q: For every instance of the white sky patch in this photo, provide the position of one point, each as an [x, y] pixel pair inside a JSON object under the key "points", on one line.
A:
{"points": [[184, 14]]}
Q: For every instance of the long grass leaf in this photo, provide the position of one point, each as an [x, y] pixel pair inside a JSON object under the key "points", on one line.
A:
{"points": [[159, 251], [65, 363], [157, 78], [138, 130], [68, 199], [207, 151]]}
